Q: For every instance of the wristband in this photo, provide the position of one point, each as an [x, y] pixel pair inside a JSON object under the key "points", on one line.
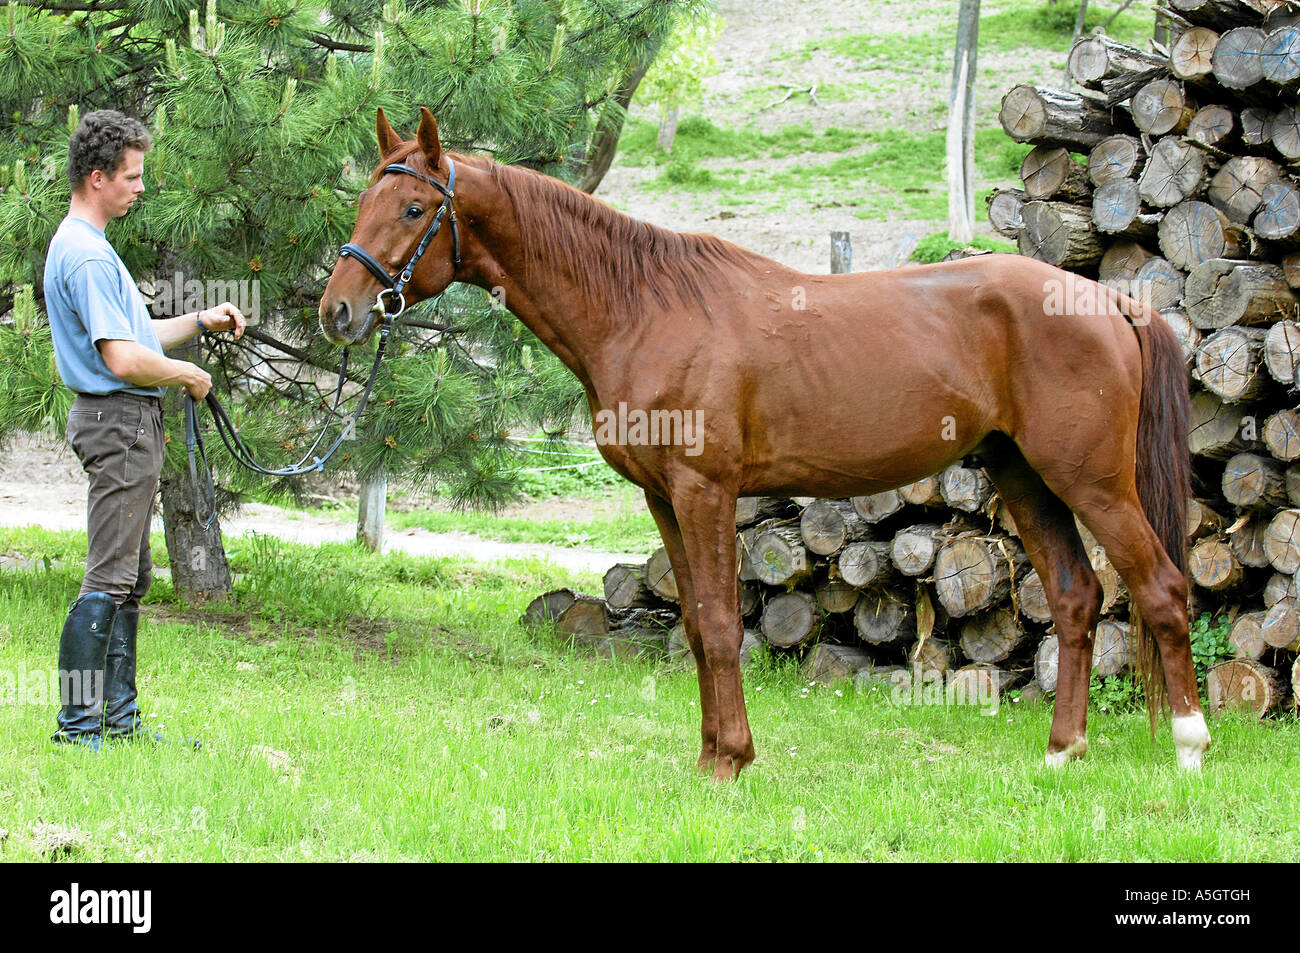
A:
{"points": [[199, 322]]}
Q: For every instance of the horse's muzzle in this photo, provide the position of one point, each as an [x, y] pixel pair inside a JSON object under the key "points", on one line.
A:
{"points": [[342, 328]]}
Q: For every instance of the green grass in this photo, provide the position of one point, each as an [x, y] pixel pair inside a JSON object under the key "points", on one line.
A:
{"points": [[890, 171], [622, 525], [934, 247], [1017, 25], [412, 718]]}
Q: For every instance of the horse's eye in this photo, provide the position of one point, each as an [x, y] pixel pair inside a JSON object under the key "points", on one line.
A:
{"points": [[414, 211]]}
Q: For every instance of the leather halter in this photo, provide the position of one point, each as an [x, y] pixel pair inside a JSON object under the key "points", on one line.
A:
{"points": [[394, 286]]}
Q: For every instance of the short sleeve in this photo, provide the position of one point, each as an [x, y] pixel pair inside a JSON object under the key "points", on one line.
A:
{"points": [[94, 291]]}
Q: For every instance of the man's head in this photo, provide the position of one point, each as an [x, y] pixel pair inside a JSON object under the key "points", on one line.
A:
{"points": [[106, 160]]}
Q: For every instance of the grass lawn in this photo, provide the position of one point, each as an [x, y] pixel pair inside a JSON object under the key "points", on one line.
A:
{"points": [[354, 706]]}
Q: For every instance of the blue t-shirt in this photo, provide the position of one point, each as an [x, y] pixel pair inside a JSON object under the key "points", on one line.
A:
{"points": [[91, 297]]}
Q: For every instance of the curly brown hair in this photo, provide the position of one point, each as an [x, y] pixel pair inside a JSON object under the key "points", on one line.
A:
{"points": [[99, 142]]}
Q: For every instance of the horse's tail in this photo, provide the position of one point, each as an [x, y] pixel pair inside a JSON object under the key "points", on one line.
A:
{"points": [[1163, 470]]}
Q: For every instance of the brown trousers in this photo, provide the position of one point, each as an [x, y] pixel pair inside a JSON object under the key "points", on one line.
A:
{"points": [[119, 440]]}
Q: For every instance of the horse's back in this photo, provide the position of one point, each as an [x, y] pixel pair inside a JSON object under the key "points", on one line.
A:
{"points": [[883, 377]]}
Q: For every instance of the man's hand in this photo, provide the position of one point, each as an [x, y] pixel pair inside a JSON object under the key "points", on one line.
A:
{"points": [[198, 382], [224, 317]]}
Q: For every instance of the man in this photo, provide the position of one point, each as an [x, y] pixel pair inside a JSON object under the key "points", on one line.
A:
{"points": [[111, 354]]}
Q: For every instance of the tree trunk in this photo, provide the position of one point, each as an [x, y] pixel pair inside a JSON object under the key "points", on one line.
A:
{"points": [[370, 511], [965, 488], [961, 125], [1236, 62], [1095, 58], [1221, 292], [914, 548], [1052, 173], [1111, 648], [971, 575], [864, 564], [790, 620], [884, 617], [827, 525], [1162, 108], [603, 146], [1212, 565], [1252, 482], [841, 253], [1004, 208], [1060, 234], [1115, 157], [1230, 363], [1160, 283], [1173, 174], [668, 129], [1192, 55], [1047, 116], [1238, 187], [1117, 210], [1212, 126], [991, 636], [197, 556], [1282, 351], [1243, 685], [878, 506], [1193, 232]]}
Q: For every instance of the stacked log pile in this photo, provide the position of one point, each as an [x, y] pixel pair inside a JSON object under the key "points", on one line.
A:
{"points": [[925, 582], [1172, 175]]}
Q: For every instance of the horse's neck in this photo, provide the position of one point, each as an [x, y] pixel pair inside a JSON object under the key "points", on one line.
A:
{"points": [[551, 292]]}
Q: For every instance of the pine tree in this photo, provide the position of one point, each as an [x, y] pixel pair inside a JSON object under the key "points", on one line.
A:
{"points": [[262, 113]]}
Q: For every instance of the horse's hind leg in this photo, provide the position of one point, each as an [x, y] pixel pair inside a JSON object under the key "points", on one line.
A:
{"points": [[1047, 529], [1159, 591], [666, 519]]}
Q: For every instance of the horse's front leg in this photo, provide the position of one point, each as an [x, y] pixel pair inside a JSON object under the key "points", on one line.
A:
{"points": [[706, 517], [666, 520]]}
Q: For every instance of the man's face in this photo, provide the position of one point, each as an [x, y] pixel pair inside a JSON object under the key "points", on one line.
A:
{"points": [[119, 191]]}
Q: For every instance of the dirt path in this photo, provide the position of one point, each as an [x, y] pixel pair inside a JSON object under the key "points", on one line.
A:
{"points": [[41, 484]]}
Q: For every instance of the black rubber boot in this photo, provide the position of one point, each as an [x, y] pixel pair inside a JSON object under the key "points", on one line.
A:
{"points": [[121, 711], [83, 650], [122, 718]]}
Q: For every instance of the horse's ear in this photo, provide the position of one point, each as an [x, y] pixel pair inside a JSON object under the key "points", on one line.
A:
{"points": [[388, 140], [430, 144]]}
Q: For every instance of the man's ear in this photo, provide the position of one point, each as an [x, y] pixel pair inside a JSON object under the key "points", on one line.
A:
{"points": [[388, 140], [430, 144]]}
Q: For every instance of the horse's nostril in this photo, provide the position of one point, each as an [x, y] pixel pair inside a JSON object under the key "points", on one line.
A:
{"points": [[342, 317]]}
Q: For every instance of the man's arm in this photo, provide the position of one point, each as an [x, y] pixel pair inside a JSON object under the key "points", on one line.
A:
{"points": [[138, 365], [174, 331]]}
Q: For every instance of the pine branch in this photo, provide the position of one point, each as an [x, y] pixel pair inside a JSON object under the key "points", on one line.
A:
{"points": [[329, 43], [70, 6]]}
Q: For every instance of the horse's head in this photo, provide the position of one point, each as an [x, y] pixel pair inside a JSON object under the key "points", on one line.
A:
{"points": [[405, 246]]}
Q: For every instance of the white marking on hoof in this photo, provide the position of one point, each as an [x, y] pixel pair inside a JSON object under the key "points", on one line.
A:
{"points": [[1191, 738], [1072, 752]]}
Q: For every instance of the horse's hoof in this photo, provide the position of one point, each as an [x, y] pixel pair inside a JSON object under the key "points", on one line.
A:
{"points": [[1075, 750], [1191, 738], [727, 770]]}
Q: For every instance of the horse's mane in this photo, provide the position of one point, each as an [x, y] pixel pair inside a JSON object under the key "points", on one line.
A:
{"points": [[616, 259]]}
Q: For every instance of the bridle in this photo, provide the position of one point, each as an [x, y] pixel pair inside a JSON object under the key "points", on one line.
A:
{"points": [[447, 210], [392, 287]]}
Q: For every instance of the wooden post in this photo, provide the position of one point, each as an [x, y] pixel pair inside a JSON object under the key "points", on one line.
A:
{"points": [[370, 513], [961, 126], [668, 129], [841, 253]]}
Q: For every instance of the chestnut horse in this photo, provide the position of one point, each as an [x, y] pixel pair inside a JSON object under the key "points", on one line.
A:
{"points": [[825, 385]]}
